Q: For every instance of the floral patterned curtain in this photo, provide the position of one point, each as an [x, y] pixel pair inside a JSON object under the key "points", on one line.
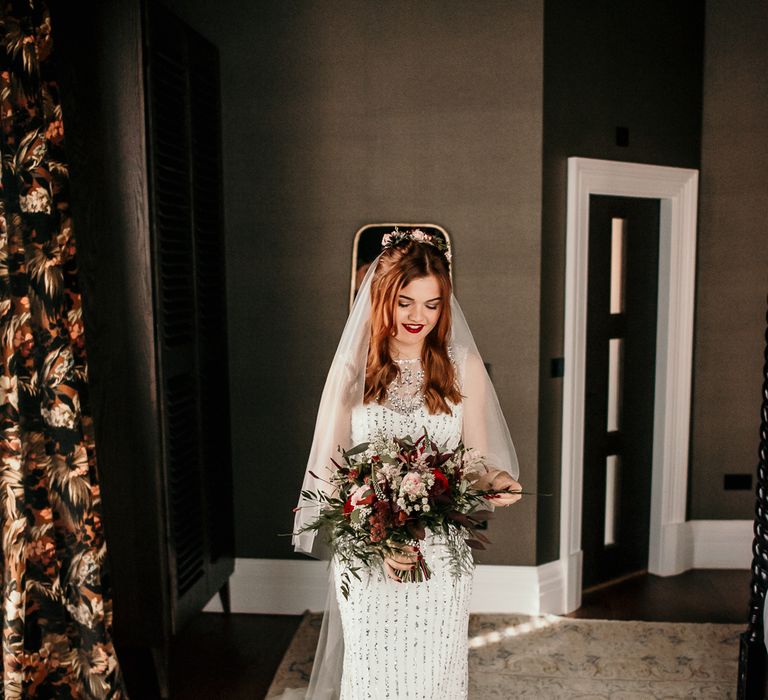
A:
{"points": [[57, 617]]}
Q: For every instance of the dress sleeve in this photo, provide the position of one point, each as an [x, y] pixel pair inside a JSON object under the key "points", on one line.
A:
{"points": [[484, 427], [332, 430]]}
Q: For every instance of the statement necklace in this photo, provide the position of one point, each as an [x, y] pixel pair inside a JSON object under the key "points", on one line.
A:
{"points": [[405, 394]]}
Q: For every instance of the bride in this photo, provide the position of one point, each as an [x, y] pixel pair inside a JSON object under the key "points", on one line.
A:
{"points": [[406, 363]]}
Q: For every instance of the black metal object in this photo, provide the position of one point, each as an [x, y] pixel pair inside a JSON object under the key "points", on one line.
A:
{"points": [[752, 652]]}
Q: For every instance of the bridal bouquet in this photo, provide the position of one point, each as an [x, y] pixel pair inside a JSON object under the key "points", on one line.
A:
{"points": [[385, 495]]}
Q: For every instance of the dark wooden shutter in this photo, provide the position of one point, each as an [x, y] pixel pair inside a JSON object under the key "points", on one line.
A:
{"points": [[184, 139]]}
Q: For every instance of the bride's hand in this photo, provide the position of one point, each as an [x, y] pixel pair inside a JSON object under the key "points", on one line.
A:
{"points": [[404, 559], [502, 481]]}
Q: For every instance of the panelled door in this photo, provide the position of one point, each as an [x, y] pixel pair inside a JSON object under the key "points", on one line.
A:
{"points": [[619, 385]]}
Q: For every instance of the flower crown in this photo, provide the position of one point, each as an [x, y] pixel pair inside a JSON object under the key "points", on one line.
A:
{"points": [[398, 237]]}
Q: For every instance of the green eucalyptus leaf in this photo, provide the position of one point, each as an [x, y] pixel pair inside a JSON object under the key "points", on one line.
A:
{"points": [[357, 449]]}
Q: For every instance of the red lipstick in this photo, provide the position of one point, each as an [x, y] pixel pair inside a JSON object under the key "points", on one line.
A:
{"points": [[413, 328]]}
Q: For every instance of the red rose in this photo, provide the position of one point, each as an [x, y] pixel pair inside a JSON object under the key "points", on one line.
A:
{"points": [[348, 507], [366, 499], [441, 484], [363, 496]]}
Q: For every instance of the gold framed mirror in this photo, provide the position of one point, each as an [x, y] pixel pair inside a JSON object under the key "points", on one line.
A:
{"points": [[367, 245]]}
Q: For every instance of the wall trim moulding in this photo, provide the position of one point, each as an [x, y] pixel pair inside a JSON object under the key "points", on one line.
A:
{"points": [[291, 586], [676, 188]]}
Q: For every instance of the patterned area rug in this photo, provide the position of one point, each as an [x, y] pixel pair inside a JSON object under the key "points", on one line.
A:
{"points": [[517, 656]]}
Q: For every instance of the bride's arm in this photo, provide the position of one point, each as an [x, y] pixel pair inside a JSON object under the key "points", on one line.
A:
{"points": [[484, 430]]}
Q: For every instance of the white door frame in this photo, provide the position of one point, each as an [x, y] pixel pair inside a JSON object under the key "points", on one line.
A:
{"points": [[677, 189]]}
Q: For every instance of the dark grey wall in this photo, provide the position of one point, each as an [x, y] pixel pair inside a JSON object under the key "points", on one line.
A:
{"points": [[342, 113], [607, 63], [732, 269]]}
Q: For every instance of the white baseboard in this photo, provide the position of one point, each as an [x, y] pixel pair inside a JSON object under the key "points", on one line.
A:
{"points": [[722, 544], [275, 587], [289, 587], [504, 589], [704, 544]]}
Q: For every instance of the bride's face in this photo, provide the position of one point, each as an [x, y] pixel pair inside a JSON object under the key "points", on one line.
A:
{"points": [[417, 312]]}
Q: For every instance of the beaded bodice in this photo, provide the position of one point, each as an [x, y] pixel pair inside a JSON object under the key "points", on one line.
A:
{"points": [[404, 413], [406, 392]]}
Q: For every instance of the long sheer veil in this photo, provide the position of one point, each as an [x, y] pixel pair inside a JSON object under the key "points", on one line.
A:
{"points": [[484, 429]]}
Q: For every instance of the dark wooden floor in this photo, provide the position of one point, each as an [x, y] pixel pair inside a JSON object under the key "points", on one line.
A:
{"points": [[216, 657], [709, 595], [234, 658]]}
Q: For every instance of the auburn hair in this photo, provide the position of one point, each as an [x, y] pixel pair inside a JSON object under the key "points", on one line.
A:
{"points": [[397, 268]]}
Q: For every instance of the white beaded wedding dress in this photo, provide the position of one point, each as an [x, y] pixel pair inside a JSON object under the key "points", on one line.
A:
{"points": [[406, 640], [389, 640]]}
